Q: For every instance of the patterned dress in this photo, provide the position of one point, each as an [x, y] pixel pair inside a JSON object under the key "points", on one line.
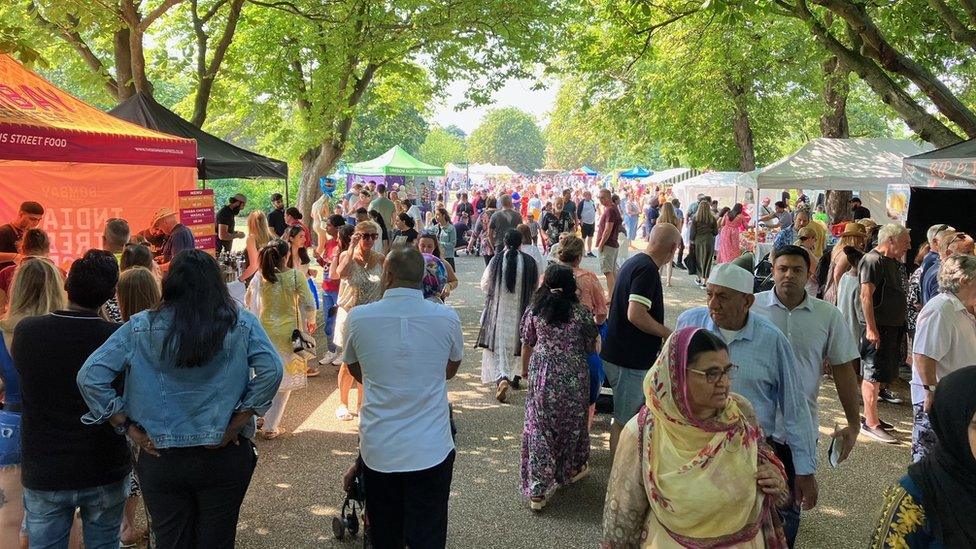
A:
{"points": [[903, 522], [555, 443]]}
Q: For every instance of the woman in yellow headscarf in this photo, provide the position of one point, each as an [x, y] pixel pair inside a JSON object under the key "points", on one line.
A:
{"points": [[692, 469]]}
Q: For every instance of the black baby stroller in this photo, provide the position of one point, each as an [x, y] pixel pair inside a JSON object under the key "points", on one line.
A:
{"points": [[763, 273]]}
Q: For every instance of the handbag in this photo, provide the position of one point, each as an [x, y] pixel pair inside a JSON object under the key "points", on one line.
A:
{"points": [[303, 344]]}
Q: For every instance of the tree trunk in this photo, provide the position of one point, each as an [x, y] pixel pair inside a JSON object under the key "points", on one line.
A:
{"points": [[838, 206], [833, 122], [123, 64], [139, 78], [207, 72], [316, 163], [924, 124], [741, 128]]}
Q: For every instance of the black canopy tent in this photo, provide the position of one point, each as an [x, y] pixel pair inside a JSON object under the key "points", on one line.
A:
{"points": [[952, 166], [217, 159]]}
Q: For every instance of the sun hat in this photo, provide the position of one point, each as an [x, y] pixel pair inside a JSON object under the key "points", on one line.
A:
{"points": [[854, 229], [161, 213]]}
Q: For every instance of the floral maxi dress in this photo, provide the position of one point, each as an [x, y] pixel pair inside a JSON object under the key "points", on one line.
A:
{"points": [[555, 443]]}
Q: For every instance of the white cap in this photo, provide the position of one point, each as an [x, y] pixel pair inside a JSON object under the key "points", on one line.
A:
{"points": [[732, 276]]}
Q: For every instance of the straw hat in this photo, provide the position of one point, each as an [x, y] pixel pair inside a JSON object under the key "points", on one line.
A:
{"points": [[854, 229], [162, 213], [868, 223]]}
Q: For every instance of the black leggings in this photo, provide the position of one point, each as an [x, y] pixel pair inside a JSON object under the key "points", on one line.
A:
{"points": [[194, 494]]}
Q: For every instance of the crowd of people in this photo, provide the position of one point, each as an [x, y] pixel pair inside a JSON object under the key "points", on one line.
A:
{"points": [[170, 362]]}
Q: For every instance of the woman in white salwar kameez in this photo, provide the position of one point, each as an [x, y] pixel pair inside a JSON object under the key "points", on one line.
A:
{"points": [[508, 283]]}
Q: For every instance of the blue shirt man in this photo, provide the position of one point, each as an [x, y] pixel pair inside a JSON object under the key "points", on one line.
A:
{"points": [[768, 374]]}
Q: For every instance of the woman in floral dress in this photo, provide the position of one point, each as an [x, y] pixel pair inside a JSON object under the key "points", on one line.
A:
{"points": [[557, 334]]}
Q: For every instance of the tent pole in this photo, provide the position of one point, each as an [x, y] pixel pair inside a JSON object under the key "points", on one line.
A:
{"points": [[286, 193]]}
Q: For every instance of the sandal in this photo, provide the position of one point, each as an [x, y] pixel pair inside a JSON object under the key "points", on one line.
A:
{"points": [[342, 414], [583, 473], [312, 372], [270, 435], [537, 504]]}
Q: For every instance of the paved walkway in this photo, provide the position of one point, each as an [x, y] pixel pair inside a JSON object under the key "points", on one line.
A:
{"points": [[296, 489]]}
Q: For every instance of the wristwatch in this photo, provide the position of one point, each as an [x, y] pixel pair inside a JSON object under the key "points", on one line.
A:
{"points": [[929, 388], [123, 427]]}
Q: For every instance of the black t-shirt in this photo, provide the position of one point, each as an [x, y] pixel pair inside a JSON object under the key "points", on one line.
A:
{"points": [[276, 220], [225, 217], [639, 279], [890, 295], [9, 239], [860, 212], [59, 451]]}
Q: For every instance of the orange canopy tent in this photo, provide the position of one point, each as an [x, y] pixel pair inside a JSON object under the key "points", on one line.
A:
{"points": [[83, 165]]}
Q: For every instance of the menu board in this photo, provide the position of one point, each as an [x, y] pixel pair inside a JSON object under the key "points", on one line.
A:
{"points": [[197, 214]]}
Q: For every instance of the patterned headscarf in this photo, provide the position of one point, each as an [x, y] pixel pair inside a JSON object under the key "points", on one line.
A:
{"points": [[700, 475]]}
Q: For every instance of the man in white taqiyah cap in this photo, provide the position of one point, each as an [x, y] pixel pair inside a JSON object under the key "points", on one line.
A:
{"points": [[766, 376]]}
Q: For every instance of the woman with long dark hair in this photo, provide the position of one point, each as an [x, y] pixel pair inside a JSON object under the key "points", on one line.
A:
{"points": [[280, 297], [557, 334], [508, 283], [197, 371], [731, 224], [382, 245], [446, 234]]}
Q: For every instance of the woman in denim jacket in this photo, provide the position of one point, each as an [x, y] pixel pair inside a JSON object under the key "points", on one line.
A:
{"points": [[197, 370]]}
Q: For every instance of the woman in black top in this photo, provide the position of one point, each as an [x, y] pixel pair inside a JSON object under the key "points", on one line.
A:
{"points": [[405, 228]]}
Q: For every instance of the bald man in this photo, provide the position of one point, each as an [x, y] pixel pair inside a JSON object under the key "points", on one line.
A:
{"points": [[406, 448], [635, 326]]}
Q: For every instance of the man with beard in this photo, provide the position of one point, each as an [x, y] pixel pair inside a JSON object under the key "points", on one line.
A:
{"points": [[225, 223]]}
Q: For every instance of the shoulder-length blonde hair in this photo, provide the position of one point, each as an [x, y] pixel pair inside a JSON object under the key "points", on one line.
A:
{"points": [[257, 225], [704, 213], [37, 289], [138, 291], [668, 214]]}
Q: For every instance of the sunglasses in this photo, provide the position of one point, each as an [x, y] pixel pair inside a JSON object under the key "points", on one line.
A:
{"points": [[713, 375], [370, 236]]}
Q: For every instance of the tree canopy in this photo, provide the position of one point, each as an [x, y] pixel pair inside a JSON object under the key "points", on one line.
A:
{"points": [[442, 146], [508, 137]]}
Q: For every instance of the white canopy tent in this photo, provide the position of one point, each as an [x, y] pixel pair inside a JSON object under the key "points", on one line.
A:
{"points": [[841, 164], [670, 176], [864, 166], [726, 187]]}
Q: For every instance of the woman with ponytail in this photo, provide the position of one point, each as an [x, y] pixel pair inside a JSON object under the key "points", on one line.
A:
{"points": [[508, 283], [279, 297], [558, 333]]}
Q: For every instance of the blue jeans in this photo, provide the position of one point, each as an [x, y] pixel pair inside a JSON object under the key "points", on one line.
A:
{"points": [[330, 304], [49, 515], [630, 221]]}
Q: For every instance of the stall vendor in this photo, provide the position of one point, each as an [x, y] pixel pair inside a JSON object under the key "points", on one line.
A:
{"points": [[179, 237]]}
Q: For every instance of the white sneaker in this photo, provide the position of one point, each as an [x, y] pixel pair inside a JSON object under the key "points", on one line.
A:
{"points": [[329, 358]]}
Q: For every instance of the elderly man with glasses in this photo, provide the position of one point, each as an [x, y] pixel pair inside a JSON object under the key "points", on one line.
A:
{"points": [[768, 377]]}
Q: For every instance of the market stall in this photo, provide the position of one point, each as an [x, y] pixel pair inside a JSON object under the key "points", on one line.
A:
{"points": [[396, 168], [83, 165], [952, 166], [865, 166]]}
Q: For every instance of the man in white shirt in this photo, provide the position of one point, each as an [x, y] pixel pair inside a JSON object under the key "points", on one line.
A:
{"points": [[945, 340], [403, 349], [586, 211]]}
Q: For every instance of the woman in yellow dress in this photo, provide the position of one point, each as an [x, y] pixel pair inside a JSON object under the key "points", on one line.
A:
{"points": [[692, 468]]}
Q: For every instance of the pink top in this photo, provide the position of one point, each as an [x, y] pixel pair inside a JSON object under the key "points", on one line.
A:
{"points": [[590, 292]]}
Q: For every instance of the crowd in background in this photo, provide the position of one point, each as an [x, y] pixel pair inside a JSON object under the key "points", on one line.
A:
{"points": [[169, 362]]}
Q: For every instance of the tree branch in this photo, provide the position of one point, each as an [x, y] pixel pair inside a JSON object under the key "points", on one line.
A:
{"points": [[156, 13], [74, 39], [957, 30]]}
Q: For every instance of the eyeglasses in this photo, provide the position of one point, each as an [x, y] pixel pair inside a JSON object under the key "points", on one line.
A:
{"points": [[370, 236], [713, 375]]}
